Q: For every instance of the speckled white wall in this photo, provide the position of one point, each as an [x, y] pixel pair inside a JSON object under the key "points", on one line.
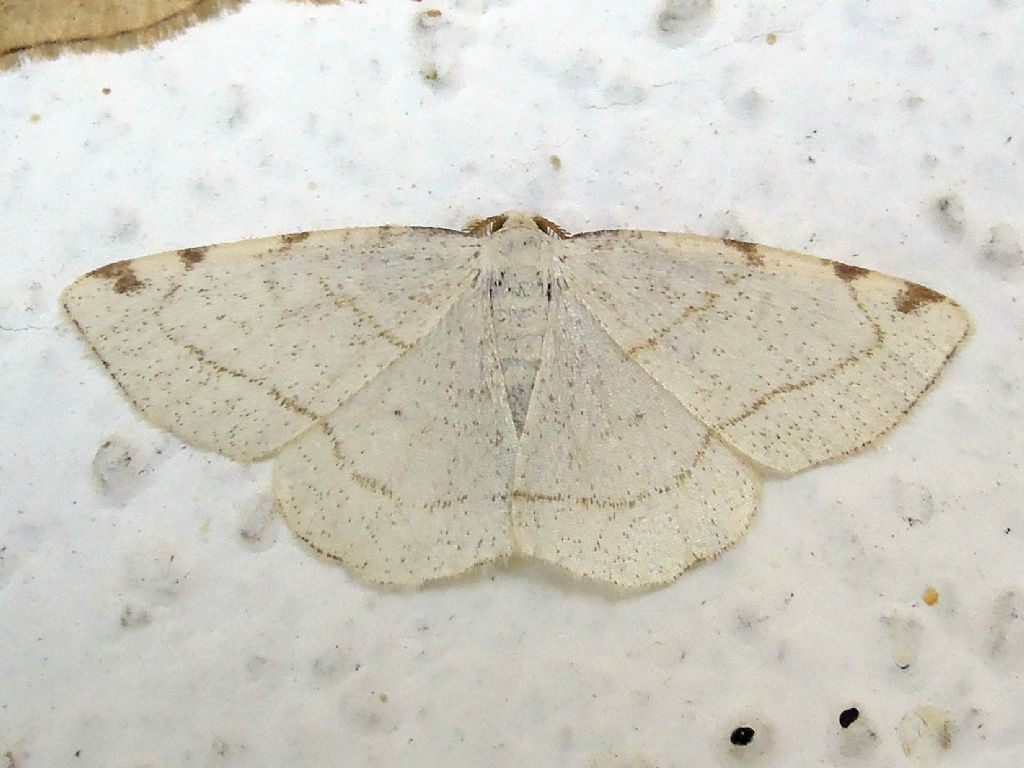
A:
{"points": [[155, 611]]}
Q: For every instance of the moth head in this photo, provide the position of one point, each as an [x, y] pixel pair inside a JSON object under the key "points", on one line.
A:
{"points": [[517, 222]]}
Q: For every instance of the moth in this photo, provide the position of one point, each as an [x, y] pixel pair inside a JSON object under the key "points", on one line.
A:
{"points": [[434, 399]]}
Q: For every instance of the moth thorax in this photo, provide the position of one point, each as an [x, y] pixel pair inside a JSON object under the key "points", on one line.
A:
{"points": [[519, 296]]}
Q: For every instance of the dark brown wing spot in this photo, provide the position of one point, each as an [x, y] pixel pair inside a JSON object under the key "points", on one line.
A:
{"points": [[294, 237], [848, 272], [913, 296], [747, 249], [191, 256], [125, 280]]}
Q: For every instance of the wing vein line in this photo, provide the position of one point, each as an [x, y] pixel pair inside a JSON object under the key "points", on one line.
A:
{"points": [[286, 402], [622, 502], [853, 358], [711, 299], [345, 301]]}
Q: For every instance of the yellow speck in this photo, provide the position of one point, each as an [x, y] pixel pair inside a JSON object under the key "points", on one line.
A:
{"points": [[433, 13], [35, 117], [204, 528], [383, 698], [930, 596], [556, 162], [772, 38]]}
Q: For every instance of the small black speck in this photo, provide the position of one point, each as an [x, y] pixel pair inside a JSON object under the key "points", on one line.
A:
{"points": [[848, 717], [397, 411], [742, 736]]}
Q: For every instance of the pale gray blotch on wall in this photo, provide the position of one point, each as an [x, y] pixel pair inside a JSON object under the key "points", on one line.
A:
{"points": [[680, 21], [119, 468], [9, 562], [904, 634], [926, 732], [1004, 251], [156, 573], [440, 43], [912, 502], [950, 213], [134, 616], [856, 738], [256, 522], [436, 398], [1006, 627]]}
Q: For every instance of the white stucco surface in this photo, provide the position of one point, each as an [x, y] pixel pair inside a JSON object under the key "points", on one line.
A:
{"points": [[155, 611]]}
